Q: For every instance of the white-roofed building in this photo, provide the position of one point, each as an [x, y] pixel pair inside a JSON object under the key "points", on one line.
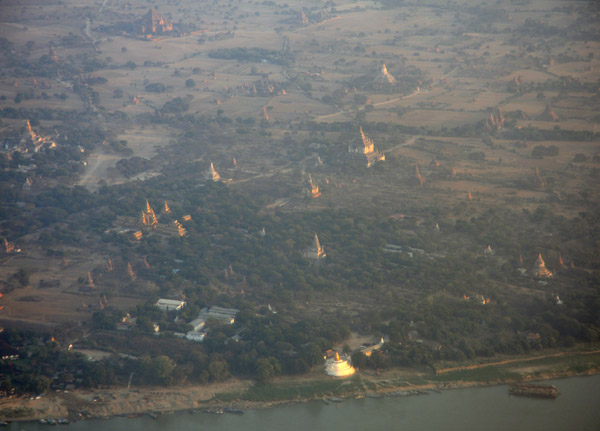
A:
{"points": [[223, 315], [197, 336], [170, 304]]}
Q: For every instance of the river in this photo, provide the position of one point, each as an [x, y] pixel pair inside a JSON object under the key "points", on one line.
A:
{"points": [[481, 408]]}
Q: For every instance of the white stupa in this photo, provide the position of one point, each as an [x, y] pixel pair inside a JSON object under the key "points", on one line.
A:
{"points": [[337, 367]]}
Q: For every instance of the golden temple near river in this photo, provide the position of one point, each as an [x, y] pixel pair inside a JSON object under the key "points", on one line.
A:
{"points": [[338, 367]]}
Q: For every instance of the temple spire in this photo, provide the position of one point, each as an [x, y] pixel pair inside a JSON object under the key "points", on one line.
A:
{"points": [[316, 251], [148, 218], [384, 76], [539, 268], [212, 174]]}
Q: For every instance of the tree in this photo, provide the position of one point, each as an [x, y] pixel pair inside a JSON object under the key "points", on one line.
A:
{"points": [[144, 323], [360, 99], [218, 370], [157, 369], [267, 368], [359, 360], [190, 83], [22, 277]]}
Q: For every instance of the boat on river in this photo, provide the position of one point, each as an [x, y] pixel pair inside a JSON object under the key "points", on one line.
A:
{"points": [[533, 390]]}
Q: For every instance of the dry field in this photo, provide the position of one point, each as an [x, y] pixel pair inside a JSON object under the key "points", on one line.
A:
{"points": [[35, 304]]}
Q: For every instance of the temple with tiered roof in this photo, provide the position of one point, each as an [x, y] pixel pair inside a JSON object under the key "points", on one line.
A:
{"points": [[152, 23]]}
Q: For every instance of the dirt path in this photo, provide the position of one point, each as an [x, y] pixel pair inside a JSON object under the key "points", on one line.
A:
{"points": [[508, 361], [271, 171], [385, 102]]}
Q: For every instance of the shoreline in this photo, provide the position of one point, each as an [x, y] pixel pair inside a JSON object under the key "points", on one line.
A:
{"points": [[246, 394]]}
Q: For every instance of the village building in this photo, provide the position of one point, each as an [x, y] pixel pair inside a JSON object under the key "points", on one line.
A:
{"points": [[362, 150], [368, 351], [338, 367], [196, 336], [198, 323], [198, 331], [170, 304], [220, 314]]}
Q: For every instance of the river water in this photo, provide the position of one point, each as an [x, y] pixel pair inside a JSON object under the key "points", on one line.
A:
{"points": [[577, 408]]}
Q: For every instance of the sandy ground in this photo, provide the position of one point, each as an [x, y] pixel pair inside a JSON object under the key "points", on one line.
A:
{"points": [[112, 402], [98, 169]]}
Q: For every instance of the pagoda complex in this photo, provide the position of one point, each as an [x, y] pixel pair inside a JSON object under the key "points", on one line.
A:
{"points": [[362, 149], [496, 121], [151, 24], [316, 252], [539, 268], [30, 138], [312, 190], [384, 77]]}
